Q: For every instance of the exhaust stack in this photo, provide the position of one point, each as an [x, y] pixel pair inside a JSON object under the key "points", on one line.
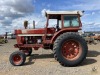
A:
{"points": [[33, 24], [25, 24]]}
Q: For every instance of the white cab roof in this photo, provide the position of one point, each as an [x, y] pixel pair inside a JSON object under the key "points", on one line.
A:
{"points": [[65, 12]]}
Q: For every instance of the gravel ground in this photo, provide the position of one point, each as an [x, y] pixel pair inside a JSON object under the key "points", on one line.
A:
{"points": [[41, 62]]}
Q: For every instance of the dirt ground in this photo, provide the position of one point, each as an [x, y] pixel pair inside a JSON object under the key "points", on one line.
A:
{"points": [[42, 62]]}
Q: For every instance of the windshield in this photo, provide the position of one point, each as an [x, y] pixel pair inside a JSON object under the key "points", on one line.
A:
{"points": [[54, 23], [71, 21]]}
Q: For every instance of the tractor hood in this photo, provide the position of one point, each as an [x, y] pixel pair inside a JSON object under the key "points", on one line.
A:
{"points": [[30, 31]]}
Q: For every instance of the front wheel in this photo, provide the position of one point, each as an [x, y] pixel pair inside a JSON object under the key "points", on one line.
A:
{"points": [[17, 58], [70, 49]]}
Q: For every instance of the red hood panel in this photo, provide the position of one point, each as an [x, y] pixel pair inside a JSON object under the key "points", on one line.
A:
{"points": [[30, 31]]}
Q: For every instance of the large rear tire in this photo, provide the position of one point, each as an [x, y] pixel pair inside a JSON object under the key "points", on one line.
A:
{"points": [[70, 49]]}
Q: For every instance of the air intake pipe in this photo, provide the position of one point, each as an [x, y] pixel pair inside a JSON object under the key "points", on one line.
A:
{"points": [[25, 24], [33, 24]]}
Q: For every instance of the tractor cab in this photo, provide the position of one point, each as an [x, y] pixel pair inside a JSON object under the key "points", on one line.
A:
{"points": [[65, 19]]}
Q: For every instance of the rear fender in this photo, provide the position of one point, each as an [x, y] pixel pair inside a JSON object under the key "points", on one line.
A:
{"points": [[57, 34]]}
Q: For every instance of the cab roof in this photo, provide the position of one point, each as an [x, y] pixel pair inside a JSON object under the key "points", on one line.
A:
{"points": [[59, 13]]}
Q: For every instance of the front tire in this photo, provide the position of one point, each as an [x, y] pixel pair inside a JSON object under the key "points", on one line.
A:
{"points": [[70, 49], [17, 58]]}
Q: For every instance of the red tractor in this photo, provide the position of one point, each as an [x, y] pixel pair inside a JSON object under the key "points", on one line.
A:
{"points": [[69, 48]]}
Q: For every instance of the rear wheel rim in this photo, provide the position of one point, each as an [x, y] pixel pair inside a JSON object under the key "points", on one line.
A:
{"points": [[17, 59], [71, 50]]}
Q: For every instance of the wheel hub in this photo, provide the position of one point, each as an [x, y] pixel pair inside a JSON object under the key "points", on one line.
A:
{"points": [[17, 59], [70, 49]]}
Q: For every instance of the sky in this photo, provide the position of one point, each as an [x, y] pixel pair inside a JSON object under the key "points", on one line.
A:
{"points": [[14, 12]]}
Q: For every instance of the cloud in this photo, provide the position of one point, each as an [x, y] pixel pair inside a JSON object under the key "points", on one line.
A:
{"points": [[87, 14], [17, 6], [6, 21], [83, 5], [39, 21], [14, 12], [93, 13], [43, 11], [91, 26], [12, 9], [48, 5]]}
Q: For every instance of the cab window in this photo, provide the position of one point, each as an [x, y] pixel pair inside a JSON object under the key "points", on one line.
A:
{"points": [[71, 21]]}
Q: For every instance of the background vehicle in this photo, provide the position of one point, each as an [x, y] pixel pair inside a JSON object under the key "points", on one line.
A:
{"points": [[3, 40], [89, 38], [69, 48]]}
